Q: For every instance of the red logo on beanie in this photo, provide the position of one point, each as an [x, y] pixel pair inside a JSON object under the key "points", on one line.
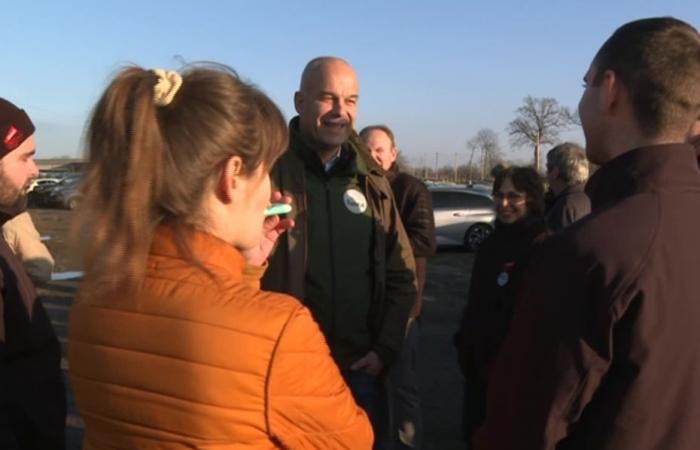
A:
{"points": [[13, 138]]}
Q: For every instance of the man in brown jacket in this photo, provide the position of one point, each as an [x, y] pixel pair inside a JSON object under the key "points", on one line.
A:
{"points": [[604, 347], [416, 209], [32, 396]]}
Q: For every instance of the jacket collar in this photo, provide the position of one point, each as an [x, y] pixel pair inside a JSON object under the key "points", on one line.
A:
{"points": [[393, 172], [644, 169], [569, 190], [215, 254], [352, 148], [524, 230], [5, 217]]}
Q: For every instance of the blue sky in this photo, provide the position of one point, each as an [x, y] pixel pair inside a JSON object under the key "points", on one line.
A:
{"points": [[435, 71]]}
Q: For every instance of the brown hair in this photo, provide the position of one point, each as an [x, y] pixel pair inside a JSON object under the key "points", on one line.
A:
{"points": [[658, 61], [382, 128], [527, 180], [148, 164]]}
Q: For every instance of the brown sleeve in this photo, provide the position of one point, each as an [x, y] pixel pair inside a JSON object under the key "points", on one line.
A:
{"points": [[401, 286], [552, 361]]}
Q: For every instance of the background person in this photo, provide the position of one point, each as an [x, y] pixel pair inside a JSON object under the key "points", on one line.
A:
{"points": [[416, 210], [567, 173], [32, 394], [500, 261]]}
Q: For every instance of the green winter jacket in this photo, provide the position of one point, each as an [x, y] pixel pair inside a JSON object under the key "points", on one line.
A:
{"points": [[311, 261]]}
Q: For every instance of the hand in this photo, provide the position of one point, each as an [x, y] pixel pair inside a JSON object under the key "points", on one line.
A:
{"points": [[370, 363], [272, 229]]}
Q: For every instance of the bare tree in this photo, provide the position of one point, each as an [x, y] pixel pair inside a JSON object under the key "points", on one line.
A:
{"points": [[488, 151], [538, 122]]}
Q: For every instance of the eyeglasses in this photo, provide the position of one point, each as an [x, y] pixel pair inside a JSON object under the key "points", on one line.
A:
{"points": [[512, 197]]}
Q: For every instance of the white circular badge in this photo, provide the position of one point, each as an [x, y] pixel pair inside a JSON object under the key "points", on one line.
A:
{"points": [[355, 201], [502, 279]]}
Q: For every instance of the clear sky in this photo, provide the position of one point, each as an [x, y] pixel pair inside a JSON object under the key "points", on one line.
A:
{"points": [[435, 71]]}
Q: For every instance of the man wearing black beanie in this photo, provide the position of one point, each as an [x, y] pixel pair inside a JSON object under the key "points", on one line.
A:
{"points": [[32, 395]]}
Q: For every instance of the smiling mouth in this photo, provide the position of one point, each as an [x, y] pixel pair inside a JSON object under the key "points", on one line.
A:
{"points": [[335, 124]]}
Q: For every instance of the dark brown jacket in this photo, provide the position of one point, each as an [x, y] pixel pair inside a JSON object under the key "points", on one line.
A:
{"points": [[415, 207], [569, 206], [604, 347], [32, 395]]}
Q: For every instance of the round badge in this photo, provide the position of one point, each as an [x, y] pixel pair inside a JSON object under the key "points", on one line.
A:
{"points": [[502, 279], [355, 201]]}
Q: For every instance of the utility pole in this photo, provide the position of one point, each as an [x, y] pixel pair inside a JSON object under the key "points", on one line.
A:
{"points": [[537, 152], [436, 165], [455, 167], [471, 159]]}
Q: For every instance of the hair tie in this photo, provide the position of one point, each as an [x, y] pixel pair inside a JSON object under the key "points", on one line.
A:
{"points": [[168, 84]]}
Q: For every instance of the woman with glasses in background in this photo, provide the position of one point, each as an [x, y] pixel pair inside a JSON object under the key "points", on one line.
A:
{"points": [[518, 194]]}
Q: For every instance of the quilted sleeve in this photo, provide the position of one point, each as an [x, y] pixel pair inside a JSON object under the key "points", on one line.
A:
{"points": [[308, 404]]}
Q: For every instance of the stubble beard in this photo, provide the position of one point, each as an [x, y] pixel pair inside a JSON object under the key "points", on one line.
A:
{"points": [[12, 200]]}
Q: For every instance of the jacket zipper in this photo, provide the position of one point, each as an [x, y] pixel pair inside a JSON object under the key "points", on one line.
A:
{"points": [[332, 259]]}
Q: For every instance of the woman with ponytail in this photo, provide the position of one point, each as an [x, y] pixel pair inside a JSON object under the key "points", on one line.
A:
{"points": [[172, 343]]}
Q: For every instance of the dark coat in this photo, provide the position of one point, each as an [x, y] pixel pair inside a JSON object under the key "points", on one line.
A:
{"points": [[496, 274], [415, 207], [569, 206], [393, 267], [604, 347], [32, 394]]}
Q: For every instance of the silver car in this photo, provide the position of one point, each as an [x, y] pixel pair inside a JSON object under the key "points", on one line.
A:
{"points": [[463, 216]]}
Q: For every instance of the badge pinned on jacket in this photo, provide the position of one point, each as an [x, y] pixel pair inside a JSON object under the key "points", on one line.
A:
{"points": [[504, 277], [355, 201]]}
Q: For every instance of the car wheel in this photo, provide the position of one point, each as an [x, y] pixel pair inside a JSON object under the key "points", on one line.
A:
{"points": [[73, 203], [475, 235]]}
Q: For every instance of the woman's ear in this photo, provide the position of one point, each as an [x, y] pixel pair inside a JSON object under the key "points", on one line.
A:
{"points": [[228, 178]]}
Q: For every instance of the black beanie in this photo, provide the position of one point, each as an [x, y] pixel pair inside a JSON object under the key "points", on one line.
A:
{"points": [[15, 127]]}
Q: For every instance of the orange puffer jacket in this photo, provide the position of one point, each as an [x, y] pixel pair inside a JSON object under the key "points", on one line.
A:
{"points": [[195, 362]]}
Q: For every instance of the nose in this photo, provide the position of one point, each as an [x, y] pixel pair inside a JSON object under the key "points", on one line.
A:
{"points": [[34, 170], [338, 108]]}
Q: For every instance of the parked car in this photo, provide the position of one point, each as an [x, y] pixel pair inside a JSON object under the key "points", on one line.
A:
{"points": [[65, 194], [463, 216], [40, 195], [42, 181], [45, 196]]}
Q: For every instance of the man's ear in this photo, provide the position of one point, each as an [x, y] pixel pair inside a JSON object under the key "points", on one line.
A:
{"points": [[229, 176], [298, 101], [612, 91]]}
